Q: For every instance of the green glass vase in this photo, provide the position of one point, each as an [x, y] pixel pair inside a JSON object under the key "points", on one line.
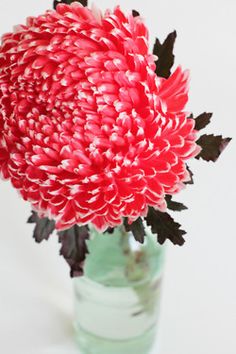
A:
{"points": [[117, 300]]}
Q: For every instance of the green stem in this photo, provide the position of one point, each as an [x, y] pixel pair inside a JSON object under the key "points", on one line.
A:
{"points": [[125, 241]]}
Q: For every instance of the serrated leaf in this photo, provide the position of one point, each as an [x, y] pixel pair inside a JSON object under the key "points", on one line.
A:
{"points": [[191, 181], [135, 13], [74, 247], [165, 227], [202, 120], [212, 146], [136, 228], [68, 2], [175, 206], [43, 228], [165, 55], [109, 230]]}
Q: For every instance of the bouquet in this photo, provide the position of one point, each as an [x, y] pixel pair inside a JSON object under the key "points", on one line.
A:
{"points": [[93, 126]]}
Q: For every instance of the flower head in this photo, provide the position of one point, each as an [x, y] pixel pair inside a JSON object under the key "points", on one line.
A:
{"points": [[88, 132]]}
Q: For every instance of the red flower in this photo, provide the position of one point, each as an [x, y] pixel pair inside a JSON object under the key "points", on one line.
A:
{"points": [[88, 132]]}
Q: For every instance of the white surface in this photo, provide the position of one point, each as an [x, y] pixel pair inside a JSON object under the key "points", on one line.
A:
{"points": [[199, 299]]}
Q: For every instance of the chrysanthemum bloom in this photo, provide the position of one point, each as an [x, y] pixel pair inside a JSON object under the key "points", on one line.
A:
{"points": [[88, 132]]}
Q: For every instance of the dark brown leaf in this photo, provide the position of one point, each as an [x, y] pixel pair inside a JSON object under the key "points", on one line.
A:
{"points": [[165, 55], [175, 206], [68, 2], [109, 230], [202, 120], [74, 247], [136, 228], [191, 181], [135, 13], [212, 146], [165, 227], [43, 228]]}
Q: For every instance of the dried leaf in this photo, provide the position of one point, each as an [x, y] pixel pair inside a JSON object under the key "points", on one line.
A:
{"points": [[202, 120], [212, 146], [68, 2], [136, 228], [109, 230], [165, 55], [135, 13], [175, 206], [74, 247], [165, 227], [43, 228], [191, 181]]}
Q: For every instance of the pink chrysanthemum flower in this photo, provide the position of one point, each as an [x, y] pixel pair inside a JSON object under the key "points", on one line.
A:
{"points": [[88, 132]]}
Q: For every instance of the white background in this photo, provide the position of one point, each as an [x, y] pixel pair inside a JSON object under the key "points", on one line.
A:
{"points": [[199, 297]]}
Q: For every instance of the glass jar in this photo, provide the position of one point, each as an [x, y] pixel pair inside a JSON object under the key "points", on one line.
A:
{"points": [[117, 300]]}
